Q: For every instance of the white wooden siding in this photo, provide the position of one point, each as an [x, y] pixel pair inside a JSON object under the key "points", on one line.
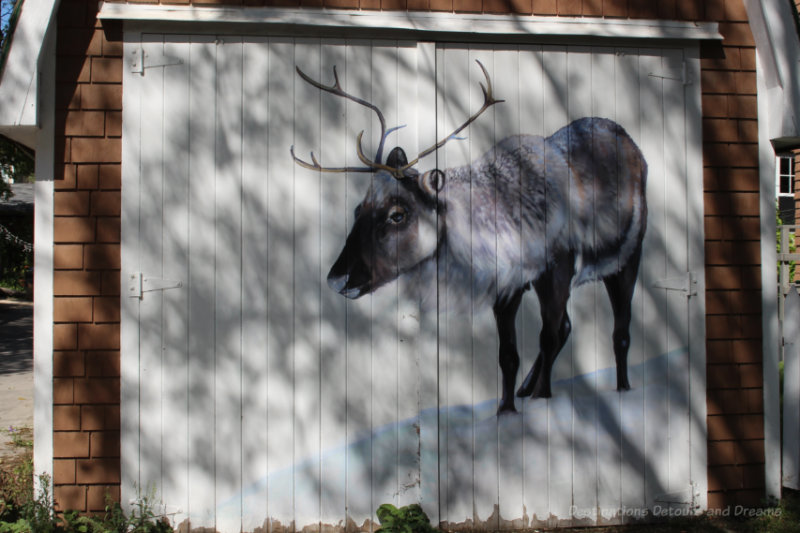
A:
{"points": [[255, 394]]}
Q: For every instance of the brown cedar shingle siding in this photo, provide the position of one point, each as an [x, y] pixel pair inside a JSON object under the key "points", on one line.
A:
{"points": [[86, 258], [733, 278], [87, 232]]}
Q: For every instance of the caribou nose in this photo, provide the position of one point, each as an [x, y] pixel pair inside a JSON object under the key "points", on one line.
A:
{"points": [[337, 283]]}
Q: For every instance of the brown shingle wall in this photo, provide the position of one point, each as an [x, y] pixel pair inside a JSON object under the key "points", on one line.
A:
{"points": [[86, 260], [733, 273], [87, 229]]}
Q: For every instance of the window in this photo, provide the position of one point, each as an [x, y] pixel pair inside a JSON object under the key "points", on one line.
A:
{"points": [[785, 178]]}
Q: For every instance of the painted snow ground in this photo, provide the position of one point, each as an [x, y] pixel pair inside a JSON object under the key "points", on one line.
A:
{"points": [[616, 421]]}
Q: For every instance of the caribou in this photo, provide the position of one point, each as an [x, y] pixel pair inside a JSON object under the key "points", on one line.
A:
{"points": [[533, 212]]}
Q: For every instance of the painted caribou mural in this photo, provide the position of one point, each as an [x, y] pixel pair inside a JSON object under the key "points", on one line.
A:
{"points": [[574, 200]]}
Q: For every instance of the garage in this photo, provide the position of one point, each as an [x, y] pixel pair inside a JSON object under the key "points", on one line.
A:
{"points": [[254, 392]]}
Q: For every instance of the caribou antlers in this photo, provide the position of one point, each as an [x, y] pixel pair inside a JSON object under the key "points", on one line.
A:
{"points": [[375, 164]]}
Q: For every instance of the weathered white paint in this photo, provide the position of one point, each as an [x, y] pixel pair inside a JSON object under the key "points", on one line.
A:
{"points": [[255, 393], [791, 393], [769, 301], [427, 22]]}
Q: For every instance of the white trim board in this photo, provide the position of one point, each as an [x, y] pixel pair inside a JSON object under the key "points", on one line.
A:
{"points": [[423, 22], [19, 78], [43, 265], [769, 304]]}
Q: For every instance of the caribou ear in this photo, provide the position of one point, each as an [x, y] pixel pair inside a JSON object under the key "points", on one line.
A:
{"points": [[396, 158], [432, 182]]}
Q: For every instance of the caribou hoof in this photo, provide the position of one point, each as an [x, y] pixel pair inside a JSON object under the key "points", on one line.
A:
{"points": [[506, 408]]}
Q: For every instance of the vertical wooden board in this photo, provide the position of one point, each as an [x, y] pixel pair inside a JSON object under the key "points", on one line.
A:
{"points": [[151, 374], [677, 243], [458, 413], [175, 361], [654, 268], [696, 258], [508, 81], [790, 475], [255, 258], [130, 255], [427, 341], [604, 80], [202, 426], [385, 335], [396, 306], [228, 283], [631, 468], [357, 80], [333, 394], [307, 275], [560, 405], [280, 290], [408, 313], [534, 411], [583, 307], [442, 302], [480, 135]]}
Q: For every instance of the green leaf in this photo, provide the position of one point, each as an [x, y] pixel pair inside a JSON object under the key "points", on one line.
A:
{"points": [[408, 519], [385, 512]]}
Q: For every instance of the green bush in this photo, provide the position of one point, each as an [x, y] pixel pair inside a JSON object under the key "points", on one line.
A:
{"points": [[792, 245], [408, 519], [16, 490], [20, 512]]}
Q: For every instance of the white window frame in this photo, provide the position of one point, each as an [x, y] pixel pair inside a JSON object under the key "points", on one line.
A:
{"points": [[779, 176]]}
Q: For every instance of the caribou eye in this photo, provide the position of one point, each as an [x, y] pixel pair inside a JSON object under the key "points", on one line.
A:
{"points": [[397, 214]]}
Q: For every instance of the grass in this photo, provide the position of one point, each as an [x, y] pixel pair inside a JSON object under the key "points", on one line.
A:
{"points": [[16, 477], [24, 510]]}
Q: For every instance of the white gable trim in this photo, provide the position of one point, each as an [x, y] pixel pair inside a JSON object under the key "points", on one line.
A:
{"points": [[19, 82], [778, 49], [421, 22]]}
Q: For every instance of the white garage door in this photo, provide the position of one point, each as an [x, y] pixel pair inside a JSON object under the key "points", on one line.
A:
{"points": [[254, 392]]}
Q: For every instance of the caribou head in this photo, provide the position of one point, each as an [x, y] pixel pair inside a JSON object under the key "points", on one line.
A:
{"points": [[397, 225]]}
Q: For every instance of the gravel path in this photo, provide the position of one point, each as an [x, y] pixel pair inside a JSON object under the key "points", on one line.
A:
{"points": [[16, 370]]}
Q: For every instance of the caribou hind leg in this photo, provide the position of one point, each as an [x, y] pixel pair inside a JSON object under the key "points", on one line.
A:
{"points": [[505, 313], [553, 289], [532, 386], [620, 291]]}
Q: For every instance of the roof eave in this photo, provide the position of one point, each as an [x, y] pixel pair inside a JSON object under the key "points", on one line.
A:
{"points": [[778, 48], [19, 81]]}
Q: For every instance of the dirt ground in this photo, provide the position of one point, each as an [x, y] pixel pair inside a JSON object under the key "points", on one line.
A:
{"points": [[16, 372]]}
